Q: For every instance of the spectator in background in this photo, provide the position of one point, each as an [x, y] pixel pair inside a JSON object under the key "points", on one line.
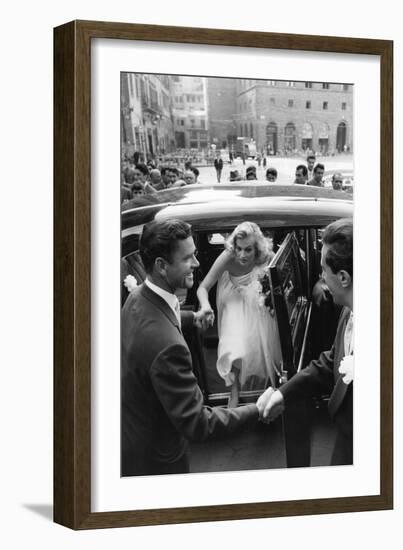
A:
{"points": [[127, 179], [301, 174], [155, 178], [189, 177], [218, 165], [234, 175], [310, 160], [271, 175], [142, 175], [164, 178], [337, 181], [125, 194], [318, 172], [251, 173], [137, 189], [196, 173]]}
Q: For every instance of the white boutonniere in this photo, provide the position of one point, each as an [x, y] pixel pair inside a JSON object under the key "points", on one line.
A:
{"points": [[130, 283], [347, 368]]}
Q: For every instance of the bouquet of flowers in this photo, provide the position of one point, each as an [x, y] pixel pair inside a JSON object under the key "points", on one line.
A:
{"points": [[265, 299]]}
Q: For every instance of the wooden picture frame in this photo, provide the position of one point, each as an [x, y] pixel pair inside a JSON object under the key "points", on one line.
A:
{"points": [[72, 273]]}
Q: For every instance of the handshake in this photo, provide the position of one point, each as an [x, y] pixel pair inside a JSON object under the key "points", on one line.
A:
{"points": [[270, 405]]}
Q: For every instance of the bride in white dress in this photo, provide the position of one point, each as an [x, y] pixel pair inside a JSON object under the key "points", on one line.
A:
{"points": [[249, 347]]}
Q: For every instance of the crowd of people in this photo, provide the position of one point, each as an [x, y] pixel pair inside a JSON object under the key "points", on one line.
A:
{"points": [[139, 178], [162, 405]]}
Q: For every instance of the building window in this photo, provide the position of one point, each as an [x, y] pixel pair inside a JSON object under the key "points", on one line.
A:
{"points": [[182, 122], [308, 84], [325, 85], [203, 124], [272, 100], [291, 103], [343, 106], [325, 105], [307, 105], [345, 87]]}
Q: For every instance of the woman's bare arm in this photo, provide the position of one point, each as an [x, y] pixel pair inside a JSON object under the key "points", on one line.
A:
{"points": [[215, 272]]}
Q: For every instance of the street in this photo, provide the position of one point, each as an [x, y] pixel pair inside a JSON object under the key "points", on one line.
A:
{"points": [[285, 167]]}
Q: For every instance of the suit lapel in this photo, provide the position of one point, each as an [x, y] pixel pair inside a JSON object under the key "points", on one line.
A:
{"points": [[340, 388], [160, 303]]}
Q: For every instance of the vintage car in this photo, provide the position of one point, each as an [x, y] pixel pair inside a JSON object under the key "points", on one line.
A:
{"points": [[293, 216]]}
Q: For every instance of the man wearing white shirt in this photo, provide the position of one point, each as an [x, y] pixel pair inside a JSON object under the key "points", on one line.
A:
{"points": [[332, 373], [162, 404]]}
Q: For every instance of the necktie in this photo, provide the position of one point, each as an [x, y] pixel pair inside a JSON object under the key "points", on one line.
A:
{"points": [[177, 312], [349, 336]]}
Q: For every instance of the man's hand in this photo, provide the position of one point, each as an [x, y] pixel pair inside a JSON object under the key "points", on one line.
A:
{"points": [[270, 405], [264, 400], [204, 318], [320, 292], [347, 368]]}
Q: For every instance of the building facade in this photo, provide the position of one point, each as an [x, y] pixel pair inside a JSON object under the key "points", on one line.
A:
{"points": [[189, 112], [222, 100], [288, 117], [146, 115]]}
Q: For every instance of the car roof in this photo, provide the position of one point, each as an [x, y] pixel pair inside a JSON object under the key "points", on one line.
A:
{"points": [[226, 205]]}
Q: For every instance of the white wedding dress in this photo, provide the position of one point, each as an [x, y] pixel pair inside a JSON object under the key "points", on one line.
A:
{"points": [[248, 334]]}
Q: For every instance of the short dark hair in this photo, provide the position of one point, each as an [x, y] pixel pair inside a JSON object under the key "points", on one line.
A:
{"points": [[195, 171], [143, 168], [338, 237], [311, 156], [271, 172], [159, 240], [318, 166], [303, 168]]}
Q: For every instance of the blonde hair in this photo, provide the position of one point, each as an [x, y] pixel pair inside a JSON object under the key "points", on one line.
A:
{"points": [[248, 229]]}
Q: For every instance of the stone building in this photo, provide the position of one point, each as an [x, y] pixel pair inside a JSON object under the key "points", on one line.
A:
{"points": [[146, 115], [189, 101], [221, 99], [285, 117]]}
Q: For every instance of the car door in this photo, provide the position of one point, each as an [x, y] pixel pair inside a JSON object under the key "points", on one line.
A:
{"points": [[289, 273]]}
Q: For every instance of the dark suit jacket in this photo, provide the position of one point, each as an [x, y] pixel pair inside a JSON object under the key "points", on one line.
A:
{"points": [[162, 404], [322, 376], [218, 164]]}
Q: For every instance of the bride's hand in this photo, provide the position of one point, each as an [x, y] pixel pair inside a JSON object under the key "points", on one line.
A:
{"points": [[204, 318]]}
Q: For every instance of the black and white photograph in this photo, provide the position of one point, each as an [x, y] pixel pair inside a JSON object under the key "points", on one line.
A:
{"points": [[237, 337]]}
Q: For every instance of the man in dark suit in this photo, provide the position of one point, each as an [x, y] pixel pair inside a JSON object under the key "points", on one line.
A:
{"points": [[218, 165], [318, 172], [332, 373], [162, 404]]}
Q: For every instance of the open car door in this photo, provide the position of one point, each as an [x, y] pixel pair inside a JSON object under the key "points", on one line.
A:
{"points": [[288, 276]]}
